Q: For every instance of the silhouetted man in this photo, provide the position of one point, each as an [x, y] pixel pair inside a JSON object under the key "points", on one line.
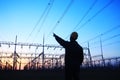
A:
{"points": [[73, 56]]}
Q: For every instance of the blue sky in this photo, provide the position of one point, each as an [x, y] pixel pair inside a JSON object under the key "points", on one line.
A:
{"points": [[19, 17]]}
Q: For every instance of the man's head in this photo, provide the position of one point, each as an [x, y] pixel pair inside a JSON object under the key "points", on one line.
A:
{"points": [[74, 36]]}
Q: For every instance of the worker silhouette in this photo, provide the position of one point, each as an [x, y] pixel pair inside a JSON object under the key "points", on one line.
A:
{"points": [[73, 56]]}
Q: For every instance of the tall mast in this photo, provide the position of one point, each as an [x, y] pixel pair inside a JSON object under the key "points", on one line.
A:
{"points": [[15, 56], [43, 53]]}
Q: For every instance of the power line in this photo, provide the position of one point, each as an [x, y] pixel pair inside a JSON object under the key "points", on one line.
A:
{"points": [[60, 19], [114, 36], [108, 44], [47, 12], [90, 8], [104, 33], [95, 15], [46, 15], [111, 43], [39, 19], [109, 38]]}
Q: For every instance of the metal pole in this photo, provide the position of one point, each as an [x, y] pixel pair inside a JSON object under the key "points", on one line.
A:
{"points": [[43, 54], [15, 56], [89, 55], [102, 51]]}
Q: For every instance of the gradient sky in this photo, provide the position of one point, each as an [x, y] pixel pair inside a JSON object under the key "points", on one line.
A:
{"points": [[31, 19]]}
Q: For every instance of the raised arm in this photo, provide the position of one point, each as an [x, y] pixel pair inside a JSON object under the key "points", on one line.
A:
{"points": [[60, 40]]}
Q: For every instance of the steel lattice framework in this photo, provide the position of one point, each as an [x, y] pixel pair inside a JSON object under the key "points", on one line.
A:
{"points": [[43, 59]]}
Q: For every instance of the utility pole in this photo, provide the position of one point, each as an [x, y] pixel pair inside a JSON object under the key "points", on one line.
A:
{"points": [[15, 56], [43, 54], [102, 51], [89, 55]]}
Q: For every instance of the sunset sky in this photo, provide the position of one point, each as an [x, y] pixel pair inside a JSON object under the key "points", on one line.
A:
{"points": [[30, 20]]}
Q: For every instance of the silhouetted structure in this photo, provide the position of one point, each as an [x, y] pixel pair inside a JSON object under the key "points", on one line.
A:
{"points": [[73, 56]]}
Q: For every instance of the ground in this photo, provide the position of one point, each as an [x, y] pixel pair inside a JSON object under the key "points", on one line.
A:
{"points": [[58, 74]]}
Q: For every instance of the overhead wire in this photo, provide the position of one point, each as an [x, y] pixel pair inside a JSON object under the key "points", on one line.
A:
{"points": [[107, 39], [90, 8], [114, 36], [60, 19], [98, 12], [51, 4], [104, 33], [39, 20], [45, 17], [103, 41], [111, 43]]}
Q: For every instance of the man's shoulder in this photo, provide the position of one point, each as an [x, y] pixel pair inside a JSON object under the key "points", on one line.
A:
{"points": [[79, 46], [77, 43]]}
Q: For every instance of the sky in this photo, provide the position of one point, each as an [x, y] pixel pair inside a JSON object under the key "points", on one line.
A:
{"points": [[30, 20]]}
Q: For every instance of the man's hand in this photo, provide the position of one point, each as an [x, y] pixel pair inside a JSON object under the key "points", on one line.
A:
{"points": [[54, 34]]}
